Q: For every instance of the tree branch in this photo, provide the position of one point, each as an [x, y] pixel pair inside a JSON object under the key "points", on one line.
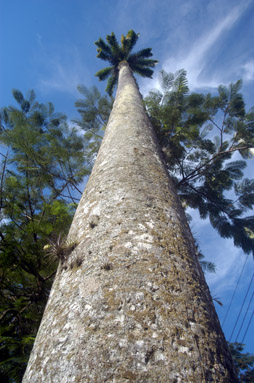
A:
{"points": [[194, 174]]}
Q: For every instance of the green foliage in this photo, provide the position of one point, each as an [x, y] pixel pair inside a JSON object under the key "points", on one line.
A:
{"points": [[114, 53], [42, 165], [202, 138], [244, 363], [94, 110]]}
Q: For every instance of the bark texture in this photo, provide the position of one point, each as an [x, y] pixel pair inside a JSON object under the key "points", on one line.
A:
{"points": [[130, 304]]}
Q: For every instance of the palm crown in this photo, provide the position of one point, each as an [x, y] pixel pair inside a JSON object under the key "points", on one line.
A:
{"points": [[139, 62]]}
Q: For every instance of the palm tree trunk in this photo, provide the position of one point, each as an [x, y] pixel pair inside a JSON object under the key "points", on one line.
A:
{"points": [[130, 304]]}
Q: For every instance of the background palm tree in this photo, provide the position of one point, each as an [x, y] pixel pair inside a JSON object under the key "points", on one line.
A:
{"points": [[139, 62]]}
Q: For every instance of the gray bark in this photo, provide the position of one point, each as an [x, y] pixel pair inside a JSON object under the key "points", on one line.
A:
{"points": [[130, 304]]}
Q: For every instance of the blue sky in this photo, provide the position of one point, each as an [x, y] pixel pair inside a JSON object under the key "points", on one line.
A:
{"points": [[48, 46]]}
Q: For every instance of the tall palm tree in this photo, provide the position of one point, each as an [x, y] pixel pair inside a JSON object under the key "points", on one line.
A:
{"points": [[130, 303]]}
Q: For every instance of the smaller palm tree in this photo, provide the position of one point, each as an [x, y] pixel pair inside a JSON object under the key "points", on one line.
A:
{"points": [[139, 62]]}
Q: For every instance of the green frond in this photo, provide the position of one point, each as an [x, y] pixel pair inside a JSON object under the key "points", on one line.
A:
{"points": [[166, 80], [103, 46], [83, 90], [142, 71], [104, 55], [140, 61], [112, 81], [128, 42], [234, 88], [18, 96], [115, 48], [143, 53], [124, 43], [104, 73], [125, 46], [132, 38], [30, 96], [181, 82]]}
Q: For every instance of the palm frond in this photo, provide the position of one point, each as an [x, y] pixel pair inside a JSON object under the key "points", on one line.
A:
{"points": [[234, 88], [83, 90], [102, 46], [104, 55], [143, 53], [112, 81], [181, 82], [132, 38], [142, 71], [140, 61], [124, 45], [114, 46], [104, 73], [166, 80]]}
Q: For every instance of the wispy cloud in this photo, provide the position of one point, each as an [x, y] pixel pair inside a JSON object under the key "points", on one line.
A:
{"points": [[194, 59], [227, 258], [248, 70], [60, 79], [200, 49], [63, 71]]}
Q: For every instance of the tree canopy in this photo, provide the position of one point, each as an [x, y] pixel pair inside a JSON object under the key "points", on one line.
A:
{"points": [[244, 363], [114, 53], [206, 140], [42, 165]]}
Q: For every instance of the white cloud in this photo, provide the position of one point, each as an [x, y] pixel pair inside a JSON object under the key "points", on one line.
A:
{"points": [[193, 50], [248, 70], [63, 71], [227, 258], [61, 79], [195, 58]]}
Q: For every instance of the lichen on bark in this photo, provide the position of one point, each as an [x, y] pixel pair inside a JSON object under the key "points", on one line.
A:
{"points": [[137, 308]]}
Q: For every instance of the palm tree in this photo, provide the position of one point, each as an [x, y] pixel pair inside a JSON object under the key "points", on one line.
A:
{"points": [[130, 302]]}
